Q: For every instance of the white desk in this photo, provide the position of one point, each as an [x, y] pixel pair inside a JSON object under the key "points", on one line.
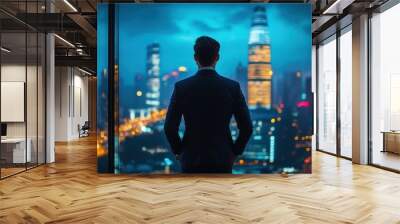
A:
{"points": [[19, 155]]}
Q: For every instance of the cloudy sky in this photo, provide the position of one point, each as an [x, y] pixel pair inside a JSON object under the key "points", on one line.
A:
{"points": [[176, 26]]}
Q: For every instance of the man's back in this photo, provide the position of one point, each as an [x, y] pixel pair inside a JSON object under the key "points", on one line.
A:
{"points": [[207, 102]]}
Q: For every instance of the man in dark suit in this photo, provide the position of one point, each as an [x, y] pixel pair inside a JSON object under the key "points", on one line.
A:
{"points": [[207, 102]]}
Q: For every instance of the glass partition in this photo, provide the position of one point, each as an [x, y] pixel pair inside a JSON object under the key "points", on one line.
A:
{"points": [[41, 96], [31, 98], [13, 108], [22, 88], [327, 96]]}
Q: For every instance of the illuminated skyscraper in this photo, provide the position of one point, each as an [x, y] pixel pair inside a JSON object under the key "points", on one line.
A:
{"points": [[153, 76], [259, 69]]}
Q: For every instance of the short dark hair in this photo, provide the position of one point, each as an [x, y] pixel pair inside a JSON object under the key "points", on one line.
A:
{"points": [[206, 50]]}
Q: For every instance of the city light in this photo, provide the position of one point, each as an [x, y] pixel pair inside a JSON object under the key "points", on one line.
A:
{"points": [[303, 104], [182, 69], [139, 93], [271, 149], [289, 169], [137, 125]]}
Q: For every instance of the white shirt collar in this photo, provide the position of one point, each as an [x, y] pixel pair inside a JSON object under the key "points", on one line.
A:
{"points": [[207, 68]]}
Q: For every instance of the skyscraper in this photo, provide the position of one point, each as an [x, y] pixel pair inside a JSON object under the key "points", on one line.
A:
{"points": [[153, 76], [259, 68]]}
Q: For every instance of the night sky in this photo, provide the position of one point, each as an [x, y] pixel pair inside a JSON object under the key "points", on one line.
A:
{"points": [[176, 26]]}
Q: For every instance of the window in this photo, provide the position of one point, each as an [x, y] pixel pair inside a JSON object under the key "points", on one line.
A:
{"points": [[385, 89], [346, 93], [327, 96]]}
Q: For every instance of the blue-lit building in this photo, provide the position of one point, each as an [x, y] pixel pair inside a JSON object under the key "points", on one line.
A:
{"points": [[153, 76]]}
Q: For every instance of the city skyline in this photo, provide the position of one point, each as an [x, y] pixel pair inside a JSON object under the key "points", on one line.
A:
{"points": [[179, 27]]}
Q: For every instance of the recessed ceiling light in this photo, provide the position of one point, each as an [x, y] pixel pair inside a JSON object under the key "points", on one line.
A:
{"points": [[84, 71], [64, 40], [5, 50], [70, 5]]}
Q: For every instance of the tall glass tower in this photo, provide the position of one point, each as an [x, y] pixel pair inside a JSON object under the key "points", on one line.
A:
{"points": [[259, 69], [153, 76]]}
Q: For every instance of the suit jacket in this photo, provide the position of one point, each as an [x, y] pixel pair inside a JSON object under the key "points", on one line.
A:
{"points": [[207, 102]]}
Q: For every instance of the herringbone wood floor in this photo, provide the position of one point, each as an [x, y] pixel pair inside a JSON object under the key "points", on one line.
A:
{"points": [[70, 191]]}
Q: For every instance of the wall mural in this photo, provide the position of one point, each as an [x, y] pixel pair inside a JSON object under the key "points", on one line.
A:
{"points": [[264, 47]]}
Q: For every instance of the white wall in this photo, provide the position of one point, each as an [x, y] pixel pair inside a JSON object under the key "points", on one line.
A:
{"points": [[71, 102], [81, 103], [61, 103]]}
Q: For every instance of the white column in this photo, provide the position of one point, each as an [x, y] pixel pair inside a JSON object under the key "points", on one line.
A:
{"points": [[50, 100], [360, 90]]}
